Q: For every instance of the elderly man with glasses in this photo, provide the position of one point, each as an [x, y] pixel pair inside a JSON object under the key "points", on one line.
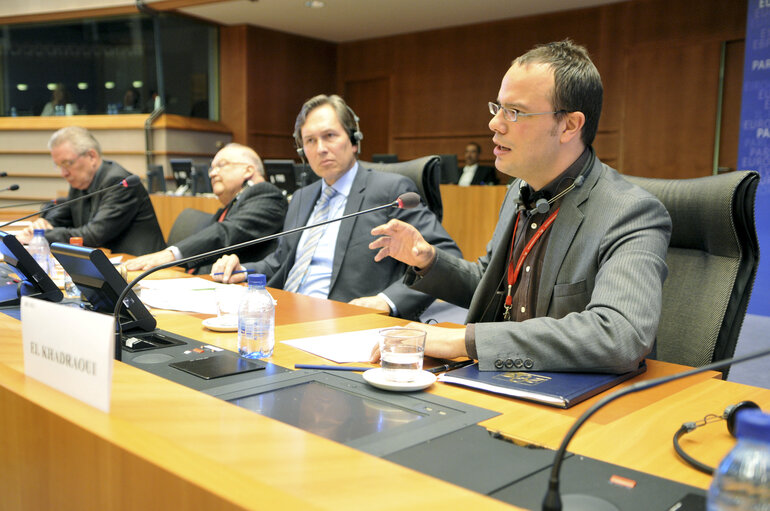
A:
{"points": [[252, 208], [121, 220], [572, 278]]}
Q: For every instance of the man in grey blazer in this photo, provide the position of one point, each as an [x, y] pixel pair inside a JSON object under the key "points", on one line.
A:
{"points": [[340, 265], [573, 275]]}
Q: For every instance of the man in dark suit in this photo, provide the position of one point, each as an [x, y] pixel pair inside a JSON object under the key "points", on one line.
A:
{"points": [[121, 220], [333, 261], [572, 279], [473, 173], [251, 208]]}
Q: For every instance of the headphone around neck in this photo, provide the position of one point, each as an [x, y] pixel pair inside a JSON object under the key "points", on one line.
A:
{"points": [[538, 202]]}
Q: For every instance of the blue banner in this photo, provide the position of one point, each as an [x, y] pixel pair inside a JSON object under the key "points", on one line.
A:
{"points": [[754, 142]]}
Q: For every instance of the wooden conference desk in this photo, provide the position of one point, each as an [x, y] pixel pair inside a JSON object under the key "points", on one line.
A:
{"points": [[164, 446]]}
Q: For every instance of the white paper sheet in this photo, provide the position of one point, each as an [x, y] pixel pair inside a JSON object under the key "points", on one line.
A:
{"points": [[187, 294], [347, 347]]}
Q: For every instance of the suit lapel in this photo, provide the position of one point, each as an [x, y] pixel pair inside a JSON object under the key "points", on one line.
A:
{"points": [[564, 229], [353, 204]]}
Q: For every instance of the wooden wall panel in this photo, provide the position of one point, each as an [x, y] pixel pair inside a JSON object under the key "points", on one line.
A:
{"points": [[442, 79], [265, 77]]}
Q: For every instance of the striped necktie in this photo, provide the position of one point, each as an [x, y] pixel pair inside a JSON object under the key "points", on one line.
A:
{"points": [[305, 255]]}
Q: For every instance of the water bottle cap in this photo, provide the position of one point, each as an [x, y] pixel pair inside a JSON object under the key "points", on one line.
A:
{"points": [[39, 232], [76, 240], [257, 279], [753, 425]]}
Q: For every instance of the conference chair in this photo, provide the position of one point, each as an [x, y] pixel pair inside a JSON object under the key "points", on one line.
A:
{"points": [[712, 261], [189, 222], [426, 174]]}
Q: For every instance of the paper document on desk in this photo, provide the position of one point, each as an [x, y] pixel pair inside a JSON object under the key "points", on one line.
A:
{"points": [[348, 347], [186, 294]]}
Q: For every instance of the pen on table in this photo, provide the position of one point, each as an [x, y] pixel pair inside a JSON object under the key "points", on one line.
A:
{"points": [[449, 366], [248, 272], [331, 368]]}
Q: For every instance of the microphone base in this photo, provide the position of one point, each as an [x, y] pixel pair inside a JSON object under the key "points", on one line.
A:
{"points": [[581, 502]]}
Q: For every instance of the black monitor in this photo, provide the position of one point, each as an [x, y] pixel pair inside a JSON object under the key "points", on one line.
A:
{"points": [[304, 175], [385, 158], [200, 182], [281, 174], [101, 284], [450, 173], [182, 171], [344, 408], [156, 179], [32, 279]]}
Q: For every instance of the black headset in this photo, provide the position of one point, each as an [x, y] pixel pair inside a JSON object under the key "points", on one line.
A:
{"points": [[539, 202], [354, 134], [730, 415]]}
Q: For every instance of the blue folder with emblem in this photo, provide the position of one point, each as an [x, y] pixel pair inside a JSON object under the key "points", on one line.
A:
{"points": [[555, 389]]}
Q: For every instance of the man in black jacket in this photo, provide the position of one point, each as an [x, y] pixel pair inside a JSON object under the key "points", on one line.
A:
{"points": [[121, 220], [251, 208]]}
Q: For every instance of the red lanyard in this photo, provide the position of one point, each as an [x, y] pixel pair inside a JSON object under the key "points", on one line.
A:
{"points": [[513, 273]]}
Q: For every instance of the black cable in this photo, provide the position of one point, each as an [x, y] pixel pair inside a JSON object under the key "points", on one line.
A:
{"points": [[686, 428]]}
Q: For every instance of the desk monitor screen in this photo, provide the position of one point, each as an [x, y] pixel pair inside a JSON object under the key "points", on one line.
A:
{"points": [[281, 174], [450, 173], [34, 281], [182, 172], [101, 284], [343, 408]]}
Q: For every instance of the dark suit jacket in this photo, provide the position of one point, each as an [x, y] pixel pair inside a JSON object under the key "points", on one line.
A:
{"points": [[121, 220], [484, 175], [599, 295], [354, 272], [259, 210]]}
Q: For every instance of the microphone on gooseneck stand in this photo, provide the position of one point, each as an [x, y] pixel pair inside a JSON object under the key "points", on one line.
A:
{"points": [[128, 182], [3, 174], [577, 501], [406, 200], [11, 188]]}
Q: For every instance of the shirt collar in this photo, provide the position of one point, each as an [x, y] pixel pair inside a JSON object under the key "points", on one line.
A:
{"points": [[343, 185]]}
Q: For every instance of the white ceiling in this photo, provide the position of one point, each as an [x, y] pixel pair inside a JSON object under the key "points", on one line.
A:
{"points": [[350, 20]]}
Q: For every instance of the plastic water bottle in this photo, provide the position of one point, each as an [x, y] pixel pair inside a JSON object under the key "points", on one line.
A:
{"points": [[256, 320], [40, 250], [742, 480], [70, 289]]}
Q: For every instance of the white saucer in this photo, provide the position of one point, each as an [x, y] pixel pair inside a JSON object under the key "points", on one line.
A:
{"points": [[376, 378], [226, 323]]}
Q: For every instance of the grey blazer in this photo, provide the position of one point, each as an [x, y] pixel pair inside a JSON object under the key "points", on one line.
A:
{"points": [[354, 272], [599, 297]]}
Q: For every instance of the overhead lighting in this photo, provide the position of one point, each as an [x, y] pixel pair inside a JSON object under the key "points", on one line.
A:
{"points": [[22, 86], [82, 86], [314, 4], [109, 85], [50, 86], [137, 84]]}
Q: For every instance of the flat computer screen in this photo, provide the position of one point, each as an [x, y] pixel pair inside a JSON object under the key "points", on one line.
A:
{"points": [[281, 174], [22, 275]]}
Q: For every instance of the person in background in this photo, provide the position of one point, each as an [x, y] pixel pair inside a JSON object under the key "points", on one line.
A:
{"points": [[251, 208], [573, 276], [121, 220], [59, 98], [333, 261], [473, 173]]}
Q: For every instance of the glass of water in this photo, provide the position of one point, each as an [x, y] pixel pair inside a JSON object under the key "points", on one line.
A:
{"points": [[401, 353]]}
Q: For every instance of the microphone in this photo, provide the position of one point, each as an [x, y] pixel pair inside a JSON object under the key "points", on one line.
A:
{"points": [[553, 500], [3, 174], [406, 200], [11, 188], [128, 182]]}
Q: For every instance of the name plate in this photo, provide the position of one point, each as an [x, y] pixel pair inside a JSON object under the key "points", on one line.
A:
{"points": [[69, 349]]}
